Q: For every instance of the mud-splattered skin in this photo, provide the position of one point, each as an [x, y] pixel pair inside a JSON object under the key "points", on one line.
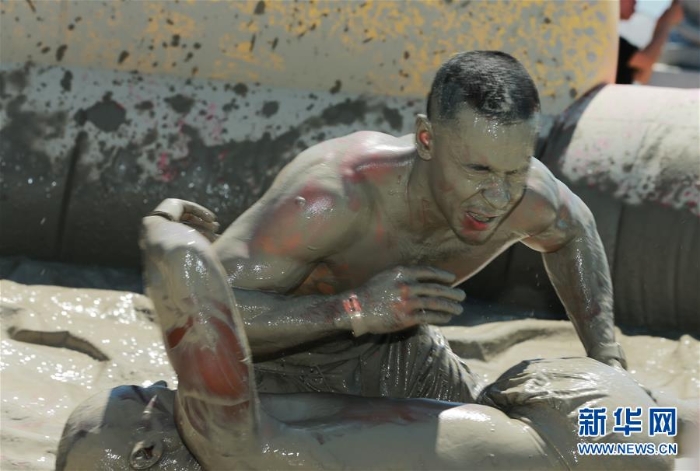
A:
{"points": [[217, 417], [439, 205]]}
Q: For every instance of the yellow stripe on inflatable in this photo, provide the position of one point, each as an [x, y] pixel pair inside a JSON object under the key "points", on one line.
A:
{"points": [[369, 47]]}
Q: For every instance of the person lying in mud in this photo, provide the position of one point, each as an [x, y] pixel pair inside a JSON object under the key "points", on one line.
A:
{"points": [[361, 240], [216, 420]]}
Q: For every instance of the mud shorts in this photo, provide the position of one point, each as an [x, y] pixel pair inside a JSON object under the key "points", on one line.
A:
{"points": [[417, 363]]}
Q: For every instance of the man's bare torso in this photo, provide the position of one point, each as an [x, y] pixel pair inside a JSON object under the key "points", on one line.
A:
{"points": [[372, 170]]}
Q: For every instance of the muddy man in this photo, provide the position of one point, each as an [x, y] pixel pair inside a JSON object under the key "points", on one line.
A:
{"points": [[343, 264], [216, 420]]}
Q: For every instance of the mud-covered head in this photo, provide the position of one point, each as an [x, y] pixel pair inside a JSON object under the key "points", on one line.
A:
{"points": [[126, 428], [492, 83], [478, 136]]}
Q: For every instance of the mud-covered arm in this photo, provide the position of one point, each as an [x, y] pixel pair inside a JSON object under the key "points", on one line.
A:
{"points": [[274, 246], [276, 323], [301, 222], [575, 260], [274, 261]]}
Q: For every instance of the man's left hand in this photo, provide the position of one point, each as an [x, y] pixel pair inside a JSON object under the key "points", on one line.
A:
{"points": [[189, 213]]}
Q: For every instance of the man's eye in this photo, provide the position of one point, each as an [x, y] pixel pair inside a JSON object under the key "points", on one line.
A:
{"points": [[478, 168], [517, 173]]}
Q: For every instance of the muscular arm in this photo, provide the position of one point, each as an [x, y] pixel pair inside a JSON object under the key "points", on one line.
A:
{"points": [[274, 246], [575, 260]]}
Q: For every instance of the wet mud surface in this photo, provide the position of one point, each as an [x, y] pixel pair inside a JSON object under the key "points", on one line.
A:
{"points": [[62, 345]]}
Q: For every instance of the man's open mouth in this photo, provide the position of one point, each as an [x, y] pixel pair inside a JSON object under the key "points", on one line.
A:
{"points": [[481, 217]]}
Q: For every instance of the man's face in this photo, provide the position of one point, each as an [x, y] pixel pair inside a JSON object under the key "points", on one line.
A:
{"points": [[112, 431], [478, 171], [627, 8]]}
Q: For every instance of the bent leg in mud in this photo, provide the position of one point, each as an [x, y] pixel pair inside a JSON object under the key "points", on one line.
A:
{"points": [[216, 401]]}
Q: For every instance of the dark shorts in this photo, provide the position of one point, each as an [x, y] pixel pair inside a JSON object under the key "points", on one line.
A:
{"points": [[417, 362]]}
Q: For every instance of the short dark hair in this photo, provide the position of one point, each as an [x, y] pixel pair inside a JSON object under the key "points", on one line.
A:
{"points": [[494, 84]]}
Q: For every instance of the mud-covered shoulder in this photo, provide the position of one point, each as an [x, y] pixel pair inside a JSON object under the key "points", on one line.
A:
{"points": [[310, 211], [538, 208], [344, 170], [550, 214]]}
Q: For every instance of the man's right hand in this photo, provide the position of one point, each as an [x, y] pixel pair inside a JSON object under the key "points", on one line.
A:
{"points": [[403, 297]]}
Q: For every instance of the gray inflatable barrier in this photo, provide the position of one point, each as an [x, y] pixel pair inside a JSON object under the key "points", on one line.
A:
{"points": [[85, 153]]}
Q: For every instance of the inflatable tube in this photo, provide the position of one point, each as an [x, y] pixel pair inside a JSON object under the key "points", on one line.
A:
{"points": [[85, 154], [363, 48], [92, 138], [633, 155]]}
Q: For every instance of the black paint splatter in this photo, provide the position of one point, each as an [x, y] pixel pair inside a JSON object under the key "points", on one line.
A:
{"points": [[240, 89], [144, 105], [67, 81], [393, 117], [344, 113], [274, 43], [180, 103], [336, 88], [60, 52], [106, 115], [252, 42], [270, 108], [232, 105], [175, 40], [260, 8], [123, 56]]}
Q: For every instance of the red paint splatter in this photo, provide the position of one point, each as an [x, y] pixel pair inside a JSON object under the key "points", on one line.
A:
{"points": [[167, 173], [218, 369], [175, 335]]}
